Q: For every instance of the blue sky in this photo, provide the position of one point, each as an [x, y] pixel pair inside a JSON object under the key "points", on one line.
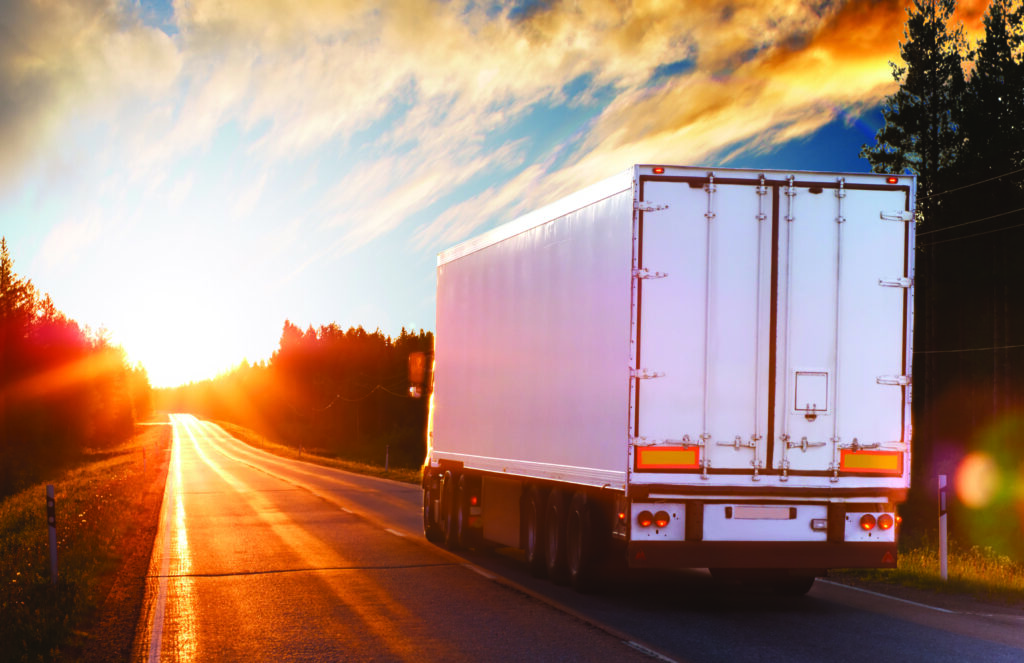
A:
{"points": [[189, 175]]}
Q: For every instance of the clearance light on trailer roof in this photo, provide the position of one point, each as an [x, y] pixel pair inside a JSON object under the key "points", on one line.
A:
{"points": [[658, 170], [871, 462], [667, 458], [892, 179]]}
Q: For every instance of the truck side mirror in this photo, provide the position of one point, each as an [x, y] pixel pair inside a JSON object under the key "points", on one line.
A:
{"points": [[417, 373]]}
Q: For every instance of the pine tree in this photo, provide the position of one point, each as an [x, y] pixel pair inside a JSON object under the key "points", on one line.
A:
{"points": [[922, 117], [994, 119]]}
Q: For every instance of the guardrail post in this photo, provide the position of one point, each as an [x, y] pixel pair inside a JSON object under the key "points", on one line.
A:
{"points": [[943, 542], [51, 521]]}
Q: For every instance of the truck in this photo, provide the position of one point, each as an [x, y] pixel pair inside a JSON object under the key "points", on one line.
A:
{"points": [[680, 367]]}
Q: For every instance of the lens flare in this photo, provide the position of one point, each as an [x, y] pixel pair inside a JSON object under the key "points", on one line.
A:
{"points": [[977, 480]]}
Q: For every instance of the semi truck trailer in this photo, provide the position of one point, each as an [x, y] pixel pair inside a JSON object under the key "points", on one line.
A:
{"points": [[680, 367]]}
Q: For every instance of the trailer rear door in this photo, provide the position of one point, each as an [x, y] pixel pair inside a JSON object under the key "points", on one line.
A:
{"points": [[771, 326]]}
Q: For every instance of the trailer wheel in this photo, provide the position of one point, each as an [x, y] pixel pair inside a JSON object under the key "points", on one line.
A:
{"points": [[533, 534], [793, 586], [580, 542], [554, 533], [449, 508], [431, 526]]}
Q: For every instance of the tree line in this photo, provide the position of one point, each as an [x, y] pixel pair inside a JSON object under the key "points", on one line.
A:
{"points": [[957, 121], [342, 393], [63, 388]]}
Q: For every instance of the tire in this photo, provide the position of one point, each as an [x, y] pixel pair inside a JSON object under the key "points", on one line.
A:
{"points": [[449, 508], [581, 543], [554, 535], [431, 527], [793, 586], [533, 531]]}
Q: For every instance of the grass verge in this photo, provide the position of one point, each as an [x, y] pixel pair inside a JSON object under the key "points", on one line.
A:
{"points": [[254, 439], [975, 571], [107, 510]]}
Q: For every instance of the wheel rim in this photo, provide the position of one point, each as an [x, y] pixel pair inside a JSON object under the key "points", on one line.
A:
{"points": [[553, 536], [531, 531]]}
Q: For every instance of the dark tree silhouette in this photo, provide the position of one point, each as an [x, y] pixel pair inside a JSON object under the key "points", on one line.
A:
{"points": [[62, 389], [963, 135]]}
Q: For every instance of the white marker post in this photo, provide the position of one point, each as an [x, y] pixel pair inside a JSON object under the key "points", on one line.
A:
{"points": [[51, 521], [943, 558]]}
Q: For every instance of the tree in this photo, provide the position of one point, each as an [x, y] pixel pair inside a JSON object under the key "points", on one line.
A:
{"points": [[964, 138], [994, 119], [922, 117]]}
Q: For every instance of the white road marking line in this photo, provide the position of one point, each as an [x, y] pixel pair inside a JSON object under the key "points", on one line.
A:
{"points": [[479, 571], [156, 631], [395, 532], [649, 652], [891, 598]]}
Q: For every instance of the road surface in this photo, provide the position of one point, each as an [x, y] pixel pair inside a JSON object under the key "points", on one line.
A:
{"points": [[264, 558]]}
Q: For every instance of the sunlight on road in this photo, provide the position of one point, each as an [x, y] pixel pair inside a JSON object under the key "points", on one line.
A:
{"points": [[174, 615], [365, 600]]}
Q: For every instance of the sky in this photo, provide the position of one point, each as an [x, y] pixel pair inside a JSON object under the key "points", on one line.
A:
{"points": [[188, 175]]}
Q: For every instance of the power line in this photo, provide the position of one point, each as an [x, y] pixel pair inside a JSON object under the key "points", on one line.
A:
{"points": [[942, 352], [968, 186], [967, 223], [957, 239]]}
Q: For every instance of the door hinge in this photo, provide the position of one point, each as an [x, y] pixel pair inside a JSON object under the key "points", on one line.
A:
{"points": [[648, 274], [644, 374], [642, 206], [903, 282], [894, 380], [902, 215]]}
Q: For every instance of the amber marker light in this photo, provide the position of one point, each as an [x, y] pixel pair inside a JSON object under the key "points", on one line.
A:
{"points": [[892, 180], [658, 170]]}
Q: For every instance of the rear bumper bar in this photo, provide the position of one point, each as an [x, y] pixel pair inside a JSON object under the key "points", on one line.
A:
{"points": [[760, 555]]}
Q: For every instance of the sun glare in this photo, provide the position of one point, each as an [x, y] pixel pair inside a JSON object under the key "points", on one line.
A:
{"points": [[977, 480], [180, 338]]}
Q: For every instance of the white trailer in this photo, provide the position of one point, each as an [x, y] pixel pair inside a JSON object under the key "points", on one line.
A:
{"points": [[680, 367]]}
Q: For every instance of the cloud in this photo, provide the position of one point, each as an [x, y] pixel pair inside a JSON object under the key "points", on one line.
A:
{"points": [[59, 60], [410, 102]]}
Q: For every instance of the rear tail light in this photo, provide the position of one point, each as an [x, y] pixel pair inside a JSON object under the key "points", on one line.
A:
{"points": [[661, 519], [867, 522], [885, 521], [644, 519]]}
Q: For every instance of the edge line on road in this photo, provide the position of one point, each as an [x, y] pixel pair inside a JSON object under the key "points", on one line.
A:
{"points": [[890, 597]]}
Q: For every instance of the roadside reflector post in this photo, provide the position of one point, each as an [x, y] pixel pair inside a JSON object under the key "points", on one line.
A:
{"points": [[51, 521], [943, 559]]}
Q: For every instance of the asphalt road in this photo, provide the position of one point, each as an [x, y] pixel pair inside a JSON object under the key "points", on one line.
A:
{"points": [[260, 558]]}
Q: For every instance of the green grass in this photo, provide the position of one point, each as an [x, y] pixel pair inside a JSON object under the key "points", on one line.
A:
{"points": [[254, 439], [40, 619], [975, 570]]}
